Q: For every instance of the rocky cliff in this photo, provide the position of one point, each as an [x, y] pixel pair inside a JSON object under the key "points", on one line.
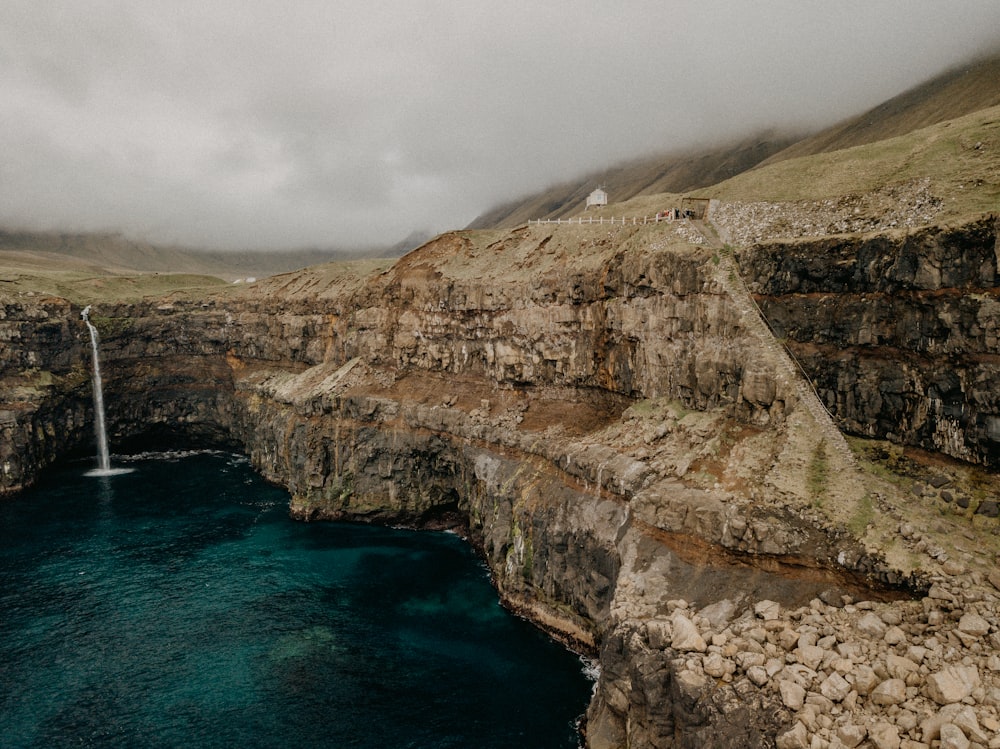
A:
{"points": [[898, 331], [598, 409]]}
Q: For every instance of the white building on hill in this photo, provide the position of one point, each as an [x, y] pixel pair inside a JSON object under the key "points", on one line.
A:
{"points": [[597, 198]]}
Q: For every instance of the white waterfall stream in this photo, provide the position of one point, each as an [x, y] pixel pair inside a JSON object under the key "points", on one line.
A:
{"points": [[103, 456]]}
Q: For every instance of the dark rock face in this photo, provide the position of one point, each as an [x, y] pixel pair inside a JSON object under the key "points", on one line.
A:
{"points": [[43, 413], [898, 332]]}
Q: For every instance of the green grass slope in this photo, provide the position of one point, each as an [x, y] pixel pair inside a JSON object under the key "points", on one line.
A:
{"points": [[953, 94], [960, 158], [85, 282], [118, 253]]}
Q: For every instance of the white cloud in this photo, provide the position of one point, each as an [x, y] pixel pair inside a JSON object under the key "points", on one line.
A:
{"points": [[279, 124]]}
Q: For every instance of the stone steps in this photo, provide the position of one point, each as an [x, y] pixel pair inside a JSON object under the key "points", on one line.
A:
{"points": [[788, 370]]}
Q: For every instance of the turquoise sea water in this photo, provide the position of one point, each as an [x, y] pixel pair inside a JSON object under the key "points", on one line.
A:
{"points": [[179, 606]]}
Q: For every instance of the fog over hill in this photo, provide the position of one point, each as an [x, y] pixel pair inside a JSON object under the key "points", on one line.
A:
{"points": [[957, 92], [675, 172], [272, 125], [102, 252], [952, 94]]}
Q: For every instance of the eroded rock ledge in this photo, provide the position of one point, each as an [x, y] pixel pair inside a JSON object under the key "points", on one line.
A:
{"points": [[601, 419]]}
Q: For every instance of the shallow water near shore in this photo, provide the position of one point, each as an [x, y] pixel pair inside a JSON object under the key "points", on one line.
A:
{"points": [[178, 605]]}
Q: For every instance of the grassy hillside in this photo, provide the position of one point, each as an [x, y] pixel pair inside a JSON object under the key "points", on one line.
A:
{"points": [[964, 91], [116, 253], [86, 282], [960, 158], [953, 94], [112, 251]]}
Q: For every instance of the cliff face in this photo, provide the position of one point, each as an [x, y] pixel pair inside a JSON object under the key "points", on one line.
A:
{"points": [[899, 331], [42, 415], [594, 408]]}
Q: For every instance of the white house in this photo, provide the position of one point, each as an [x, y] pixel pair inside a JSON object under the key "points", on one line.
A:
{"points": [[597, 198]]}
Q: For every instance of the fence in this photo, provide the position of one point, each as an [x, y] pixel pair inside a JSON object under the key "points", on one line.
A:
{"points": [[601, 220]]}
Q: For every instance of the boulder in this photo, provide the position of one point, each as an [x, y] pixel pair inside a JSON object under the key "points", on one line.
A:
{"points": [[994, 578], [795, 738], [872, 626], [965, 718], [973, 624], [767, 610], [758, 675], [810, 656], [658, 633], [884, 736], [952, 684], [899, 667], [686, 637], [798, 674], [792, 695], [889, 692], [719, 614], [865, 679], [952, 567], [835, 687], [989, 508], [938, 592], [717, 666], [850, 735], [952, 737], [891, 616], [788, 639], [894, 635], [747, 659]]}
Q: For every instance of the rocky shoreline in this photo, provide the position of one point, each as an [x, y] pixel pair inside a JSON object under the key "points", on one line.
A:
{"points": [[900, 675]]}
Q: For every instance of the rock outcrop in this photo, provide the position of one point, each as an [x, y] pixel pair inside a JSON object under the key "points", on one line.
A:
{"points": [[596, 411], [898, 331]]}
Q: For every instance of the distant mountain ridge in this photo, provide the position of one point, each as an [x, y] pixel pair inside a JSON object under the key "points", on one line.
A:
{"points": [[954, 93], [115, 252]]}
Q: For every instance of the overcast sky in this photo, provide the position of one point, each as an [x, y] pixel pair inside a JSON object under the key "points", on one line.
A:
{"points": [[258, 124]]}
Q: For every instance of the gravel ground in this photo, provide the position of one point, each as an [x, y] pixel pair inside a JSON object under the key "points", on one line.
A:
{"points": [[906, 205]]}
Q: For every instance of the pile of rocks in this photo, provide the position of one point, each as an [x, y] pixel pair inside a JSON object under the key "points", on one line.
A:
{"points": [[897, 206], [941, 489], [899, 675], [688, 233]]}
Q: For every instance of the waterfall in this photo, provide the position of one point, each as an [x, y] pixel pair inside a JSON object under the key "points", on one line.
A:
{"points": [[103, 458]]}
